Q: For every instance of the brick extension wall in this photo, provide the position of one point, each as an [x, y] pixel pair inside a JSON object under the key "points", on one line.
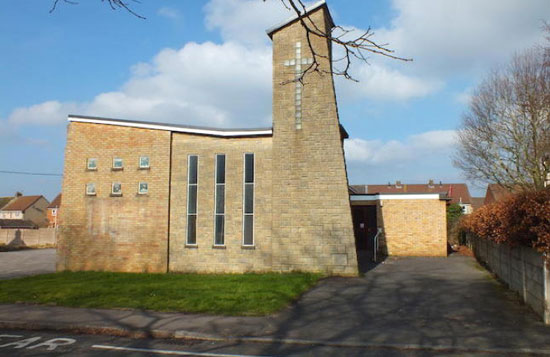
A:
{"points": [[413, 227]]}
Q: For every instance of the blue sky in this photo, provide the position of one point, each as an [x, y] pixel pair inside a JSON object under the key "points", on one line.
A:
{"points": [[179, 65]]}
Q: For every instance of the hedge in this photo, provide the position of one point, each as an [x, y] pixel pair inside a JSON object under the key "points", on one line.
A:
{"points": [[521, 219]]}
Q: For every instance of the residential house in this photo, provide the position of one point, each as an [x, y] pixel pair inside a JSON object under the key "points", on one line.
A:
{"points": [[457, 192], [53, 211], [26, 208], [496, 192]]}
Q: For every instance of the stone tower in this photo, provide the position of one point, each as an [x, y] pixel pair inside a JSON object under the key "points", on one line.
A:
{"points": [[312, 224]]}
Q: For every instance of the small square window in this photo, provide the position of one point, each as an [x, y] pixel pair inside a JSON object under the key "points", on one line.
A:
{"points": [[116, 189], [143, 188], [54, 212], [144, 162], [117, 163], [90, 189], [92, 164]]}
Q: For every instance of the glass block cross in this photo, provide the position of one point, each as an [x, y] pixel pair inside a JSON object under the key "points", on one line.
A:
{"points": [[296, 63]]}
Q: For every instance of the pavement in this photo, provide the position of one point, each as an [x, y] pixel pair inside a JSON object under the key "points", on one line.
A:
{"points": [[427, 304], [25, 262]]}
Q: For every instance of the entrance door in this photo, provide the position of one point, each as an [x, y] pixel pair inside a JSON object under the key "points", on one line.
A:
{"points": [[364, 225]]}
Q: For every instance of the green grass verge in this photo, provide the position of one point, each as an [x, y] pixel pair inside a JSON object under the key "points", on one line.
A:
{"points": [[226, 294]]}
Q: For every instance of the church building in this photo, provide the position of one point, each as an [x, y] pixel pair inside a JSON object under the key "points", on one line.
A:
{"points": [[153, 197]]}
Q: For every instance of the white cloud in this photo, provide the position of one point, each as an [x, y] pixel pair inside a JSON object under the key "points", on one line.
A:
{"points": [[46, 113], [378, 152], [169, 12], [203, 84], [378, 82], [464, 97], [453, 36], [244, 21]]}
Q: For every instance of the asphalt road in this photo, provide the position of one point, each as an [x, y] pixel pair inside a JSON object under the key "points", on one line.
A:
{"points": [[42, 343], [26, 262]]}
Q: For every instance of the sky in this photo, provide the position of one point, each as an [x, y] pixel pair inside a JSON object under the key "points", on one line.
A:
{"points": [[179, 65]]}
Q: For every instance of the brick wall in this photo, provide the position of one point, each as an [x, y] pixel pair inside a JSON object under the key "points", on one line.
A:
{"points": [[312, 225], [233, 257], [413, 227], [127, 233]]}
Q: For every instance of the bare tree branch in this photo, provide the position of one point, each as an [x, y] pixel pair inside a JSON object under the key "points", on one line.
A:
{"points": [[354, 47], [505, 134], [114, 4]]}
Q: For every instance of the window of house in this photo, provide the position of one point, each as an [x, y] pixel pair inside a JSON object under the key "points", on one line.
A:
{"points": [[90, 189], [54, 212], [116, 189], [144, 162], [192, 191], [117, 163], [143, 188], [219, 210], [91, 164], [248, 200]]}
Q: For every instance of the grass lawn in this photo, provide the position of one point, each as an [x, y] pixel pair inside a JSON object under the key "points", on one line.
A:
{"points": [[227, 294]]}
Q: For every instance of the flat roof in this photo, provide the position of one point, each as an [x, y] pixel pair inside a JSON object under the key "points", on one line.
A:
{"points": [[295, 17], [173, 127], [397, 196]]}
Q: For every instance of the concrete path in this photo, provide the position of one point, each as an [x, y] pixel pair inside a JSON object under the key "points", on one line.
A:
{"points": [[26, 262], [433, 304]]}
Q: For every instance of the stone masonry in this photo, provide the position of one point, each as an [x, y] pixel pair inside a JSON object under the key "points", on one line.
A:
{"points": [[233, 256], [413, 227], [104, 232], [312, 225]]}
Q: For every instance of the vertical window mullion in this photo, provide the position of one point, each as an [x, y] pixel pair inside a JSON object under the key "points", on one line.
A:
{"points": [[192, 198], [248, 200]]}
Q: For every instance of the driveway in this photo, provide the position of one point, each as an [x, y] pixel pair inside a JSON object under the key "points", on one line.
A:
{"points": [[416, 302], [26, 262]]}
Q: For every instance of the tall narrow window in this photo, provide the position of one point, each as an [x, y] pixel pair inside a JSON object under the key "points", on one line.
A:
{"points": [[192, 189], [248, 200], [219, 209]]}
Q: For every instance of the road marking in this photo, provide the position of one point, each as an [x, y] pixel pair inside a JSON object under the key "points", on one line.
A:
{"points": [[168, 352], [11, 336], [51, 344], [54, 343]]}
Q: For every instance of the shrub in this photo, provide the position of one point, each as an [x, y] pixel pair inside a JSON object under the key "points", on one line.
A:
{"points": [[522, 219]]}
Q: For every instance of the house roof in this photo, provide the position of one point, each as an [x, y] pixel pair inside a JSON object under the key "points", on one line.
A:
{"points": [[358, 189], [21, 203], [173, 127], [5, 200], [457, 192], [56, 202], [17, 223], [477, 202], [270, 31], [496, 192]]}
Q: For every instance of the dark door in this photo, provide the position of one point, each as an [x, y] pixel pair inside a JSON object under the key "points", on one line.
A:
{"points": [[364, 226]]}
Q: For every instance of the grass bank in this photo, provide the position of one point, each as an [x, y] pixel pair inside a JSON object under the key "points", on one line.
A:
{"points": [[225, 294]]}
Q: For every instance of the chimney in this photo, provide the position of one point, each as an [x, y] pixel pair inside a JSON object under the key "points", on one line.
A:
{"points": [[397, 184], [440, 184], [18, 194], [431, 184]]}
